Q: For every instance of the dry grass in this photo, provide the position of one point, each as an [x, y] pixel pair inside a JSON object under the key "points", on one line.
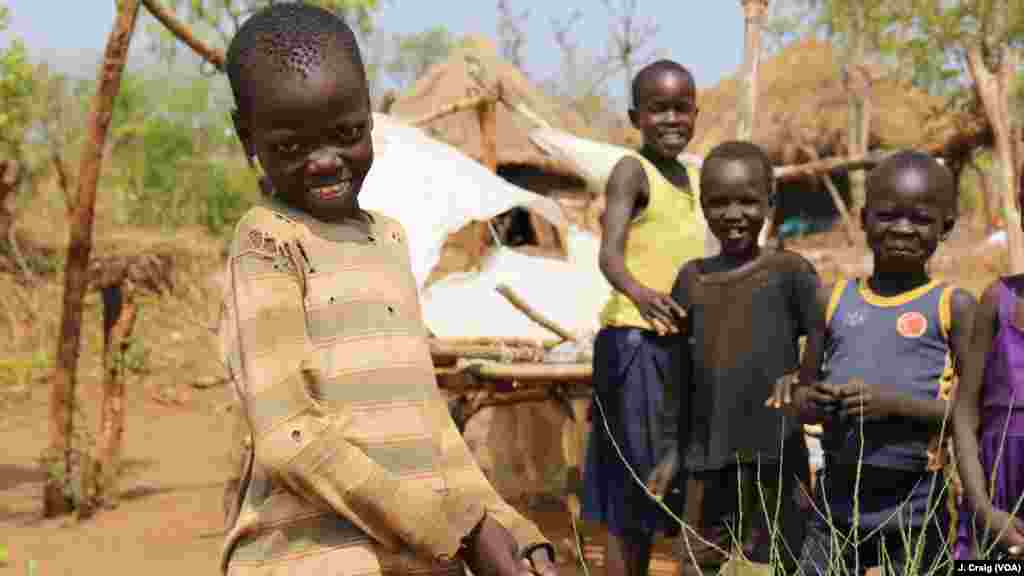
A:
{"points": [[173, 340], [802, 102]]}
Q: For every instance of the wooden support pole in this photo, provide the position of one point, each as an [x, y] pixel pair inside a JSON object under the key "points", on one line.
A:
{"points": [[57, 460], [119, 314], [487, 114], [753, 15], [848, 226], [837, 200]]}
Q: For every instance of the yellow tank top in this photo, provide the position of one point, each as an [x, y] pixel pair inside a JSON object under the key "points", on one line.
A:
{"points": [[665, 235]]}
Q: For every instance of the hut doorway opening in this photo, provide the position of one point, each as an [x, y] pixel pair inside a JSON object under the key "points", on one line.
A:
{"points": [[519, 228], [806, 207]]}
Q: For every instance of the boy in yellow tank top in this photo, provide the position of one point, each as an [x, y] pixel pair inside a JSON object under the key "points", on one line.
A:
{"points": [[651, 225]]}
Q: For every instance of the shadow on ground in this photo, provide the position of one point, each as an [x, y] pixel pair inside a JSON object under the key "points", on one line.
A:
{"points": [[12, 476]]}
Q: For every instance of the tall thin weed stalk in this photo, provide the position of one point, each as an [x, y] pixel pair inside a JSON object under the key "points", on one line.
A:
{"points": [[840, 543]]}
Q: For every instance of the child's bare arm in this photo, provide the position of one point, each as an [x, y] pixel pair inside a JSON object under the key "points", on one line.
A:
{"points": [[490, 550], [799, 390], [626, 190], [811, 396], [971, 356], [469, 487], [967, 399]]}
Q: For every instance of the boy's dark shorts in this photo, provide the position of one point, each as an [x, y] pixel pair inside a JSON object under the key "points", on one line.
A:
{"points": [[727, 508]]}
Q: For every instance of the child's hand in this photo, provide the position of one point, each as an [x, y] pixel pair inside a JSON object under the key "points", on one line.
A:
{"points": [[858, 399], [662, 475], [491, 551], [1009, 529], [541, 565], [820, 398], [782, 393], [664, 314]]}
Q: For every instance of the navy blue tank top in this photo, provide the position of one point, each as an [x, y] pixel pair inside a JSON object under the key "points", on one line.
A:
{"points": [[900, 341]]}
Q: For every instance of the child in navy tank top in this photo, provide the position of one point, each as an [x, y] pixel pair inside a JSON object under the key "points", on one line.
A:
{"points": [[892, 352]]}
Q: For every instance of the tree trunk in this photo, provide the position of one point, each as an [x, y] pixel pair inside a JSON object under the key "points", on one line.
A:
{"points": [[119, 314], [753, 17], [858, 90], [984, 214], [993, 89], [58, 459], [9, 177]]}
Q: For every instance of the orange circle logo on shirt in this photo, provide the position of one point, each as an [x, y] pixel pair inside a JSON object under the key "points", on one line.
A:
{"points": [[912, 325]]}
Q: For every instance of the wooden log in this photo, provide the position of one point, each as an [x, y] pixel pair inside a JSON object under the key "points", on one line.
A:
{"points": [[499, 341], [527, 372], [532, 314], [449, 354], [515, 397], [150, 271], [813, 169], [473, 376], [958, 144]]}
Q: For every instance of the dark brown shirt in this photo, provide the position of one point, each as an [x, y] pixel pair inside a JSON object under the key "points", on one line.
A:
{"points": [[744, 327]]}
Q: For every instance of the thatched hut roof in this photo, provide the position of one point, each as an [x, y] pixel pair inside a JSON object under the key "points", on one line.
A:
{"points": [[802, 103], [460, 78]]}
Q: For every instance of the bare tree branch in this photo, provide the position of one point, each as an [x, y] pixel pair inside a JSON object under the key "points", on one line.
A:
{"points": [[214, 56], [63, 180], [510, 30], [628, 36]]}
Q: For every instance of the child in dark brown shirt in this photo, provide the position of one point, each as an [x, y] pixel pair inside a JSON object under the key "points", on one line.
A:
{"points": [[746, 310]]}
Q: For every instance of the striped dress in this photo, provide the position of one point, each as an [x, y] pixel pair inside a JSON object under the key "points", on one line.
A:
{"points": [[356, 466]]}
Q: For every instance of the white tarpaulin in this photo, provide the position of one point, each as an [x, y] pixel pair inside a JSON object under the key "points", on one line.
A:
{"points": [[571, 293], [434, 190], [594, 160]]}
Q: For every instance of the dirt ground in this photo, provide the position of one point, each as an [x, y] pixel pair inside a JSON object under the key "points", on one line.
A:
{"points": [[169, 520], [177, 431]]}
